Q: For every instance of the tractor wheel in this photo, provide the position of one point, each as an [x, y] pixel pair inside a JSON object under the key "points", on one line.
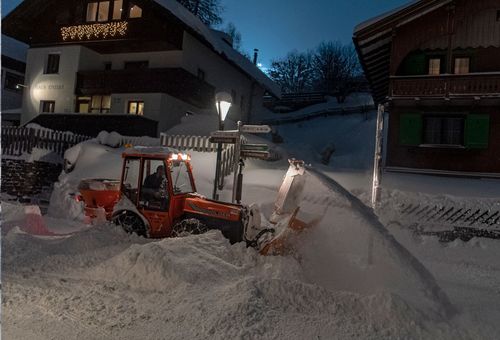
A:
{"points": [[188, 227], [131, 223]]}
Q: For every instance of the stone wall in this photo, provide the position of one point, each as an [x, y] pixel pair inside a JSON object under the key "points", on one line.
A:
{"points": [[27, 179]]}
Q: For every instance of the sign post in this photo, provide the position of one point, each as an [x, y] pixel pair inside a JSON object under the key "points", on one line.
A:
{"points": [[243, 151]]}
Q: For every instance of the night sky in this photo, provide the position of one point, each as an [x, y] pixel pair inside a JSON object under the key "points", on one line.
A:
{"points": [[276, 27]]}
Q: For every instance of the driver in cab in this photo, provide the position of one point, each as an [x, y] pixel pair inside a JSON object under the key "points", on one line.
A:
{"points": [[154, 186]]}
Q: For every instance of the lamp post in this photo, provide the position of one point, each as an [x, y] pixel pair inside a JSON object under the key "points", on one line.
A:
{"points": [[223, 102]]}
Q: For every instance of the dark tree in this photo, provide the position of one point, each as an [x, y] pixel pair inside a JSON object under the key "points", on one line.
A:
{"points": [[235, 35], [336, 67], [209, 11], [294, 73]]}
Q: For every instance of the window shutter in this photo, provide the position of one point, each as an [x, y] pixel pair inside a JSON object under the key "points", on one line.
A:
{"points": [[477, 131], [410, 129]]}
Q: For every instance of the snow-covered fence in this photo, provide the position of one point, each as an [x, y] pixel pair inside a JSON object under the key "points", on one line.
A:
{"points": [[16, 140], [322, 113], [203, 144], [186, 142]]}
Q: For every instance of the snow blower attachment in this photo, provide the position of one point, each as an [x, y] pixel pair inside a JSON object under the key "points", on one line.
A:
{"points": [[157, 198]]}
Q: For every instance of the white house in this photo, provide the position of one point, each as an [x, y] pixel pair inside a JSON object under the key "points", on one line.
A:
{"points": [[150, 58]]}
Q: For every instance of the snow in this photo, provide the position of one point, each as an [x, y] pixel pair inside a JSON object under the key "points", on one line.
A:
{"points": [[382, 16], [351, 277], [219, 45]]}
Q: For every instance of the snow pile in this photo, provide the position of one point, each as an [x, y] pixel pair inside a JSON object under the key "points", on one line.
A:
{"points": [[87, 160]]}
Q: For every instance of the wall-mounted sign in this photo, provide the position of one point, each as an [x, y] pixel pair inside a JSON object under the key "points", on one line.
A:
{"points": [[94, 31], [49, 87]]}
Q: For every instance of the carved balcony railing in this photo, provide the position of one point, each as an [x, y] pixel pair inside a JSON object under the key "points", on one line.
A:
{"points": [[473, 84]]}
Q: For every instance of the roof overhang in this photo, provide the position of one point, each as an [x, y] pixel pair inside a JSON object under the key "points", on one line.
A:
{"points": [[373, 42]]}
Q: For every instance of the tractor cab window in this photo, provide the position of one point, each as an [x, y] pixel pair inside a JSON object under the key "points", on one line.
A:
{"points": [[130, 186], [180, 178], [154, 192]]}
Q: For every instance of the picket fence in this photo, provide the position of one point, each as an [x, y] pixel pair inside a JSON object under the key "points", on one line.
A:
{"points": [[203, 144], [19, 140]]}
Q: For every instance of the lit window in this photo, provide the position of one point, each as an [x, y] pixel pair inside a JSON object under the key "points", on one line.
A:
{"points": [[462, 65], [47, 106], [98, 11], [52, 64], [134, 11], [435, 66], [117, 9], [92, 11], [136, 108], [100, 104], [103, 11]]}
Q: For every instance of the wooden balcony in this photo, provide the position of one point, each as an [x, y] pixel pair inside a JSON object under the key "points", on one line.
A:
{"points": [[176, 82], [479, 84]]}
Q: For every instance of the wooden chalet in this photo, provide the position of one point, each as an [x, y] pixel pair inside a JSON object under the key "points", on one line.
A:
{"points": [[435, 65]]}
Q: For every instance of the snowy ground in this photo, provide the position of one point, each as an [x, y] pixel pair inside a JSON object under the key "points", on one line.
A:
{"points": [[347, 280]]}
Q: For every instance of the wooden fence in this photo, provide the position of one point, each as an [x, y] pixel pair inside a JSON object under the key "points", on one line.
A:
{"points": [[16, 141], [202, 144]]}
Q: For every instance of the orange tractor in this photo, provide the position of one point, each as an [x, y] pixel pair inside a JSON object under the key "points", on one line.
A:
{"points": [[157, 197]]}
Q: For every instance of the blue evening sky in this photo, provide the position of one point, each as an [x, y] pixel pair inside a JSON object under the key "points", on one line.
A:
{"points": [[276, 27]]}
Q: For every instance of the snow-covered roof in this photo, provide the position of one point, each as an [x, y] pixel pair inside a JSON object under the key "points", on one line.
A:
{"points": [[219, 45], [382, 16], [14, 48]]}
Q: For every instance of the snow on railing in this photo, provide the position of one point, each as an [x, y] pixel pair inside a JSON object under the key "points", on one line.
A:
{"points": [[19, 140]]}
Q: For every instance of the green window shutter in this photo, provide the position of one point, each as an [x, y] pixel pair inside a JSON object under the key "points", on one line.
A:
{"points": [[477, 131], [415, 64], [410, 129]]}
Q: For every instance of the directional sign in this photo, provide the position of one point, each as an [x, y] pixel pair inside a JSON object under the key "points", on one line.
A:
{"points": [[226, 134], [255, 154], [256, 128], [254, 147], [226, 140]]}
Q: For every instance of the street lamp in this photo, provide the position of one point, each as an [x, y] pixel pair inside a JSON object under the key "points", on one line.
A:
{"points": [[223, 101]]}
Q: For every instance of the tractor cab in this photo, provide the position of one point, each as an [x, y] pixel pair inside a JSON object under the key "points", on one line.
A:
{"points": [[157, 181]]}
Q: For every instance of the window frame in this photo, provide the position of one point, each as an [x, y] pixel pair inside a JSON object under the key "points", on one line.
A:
{"points": [[443, 130], [49, 66], [131, 4], [47, 102], [455, 58], [96, 15], [16, 78], [137, 102], [112, 10], [429, 60]]}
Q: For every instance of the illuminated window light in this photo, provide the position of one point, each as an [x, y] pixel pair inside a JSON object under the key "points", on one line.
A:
{"points": [[97, 31]]}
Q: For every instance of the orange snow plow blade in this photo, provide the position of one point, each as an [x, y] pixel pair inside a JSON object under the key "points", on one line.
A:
{"points": [[99, 195]]}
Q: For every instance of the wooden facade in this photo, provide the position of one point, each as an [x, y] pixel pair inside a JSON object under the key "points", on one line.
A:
{"points": [[436, 67]]}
